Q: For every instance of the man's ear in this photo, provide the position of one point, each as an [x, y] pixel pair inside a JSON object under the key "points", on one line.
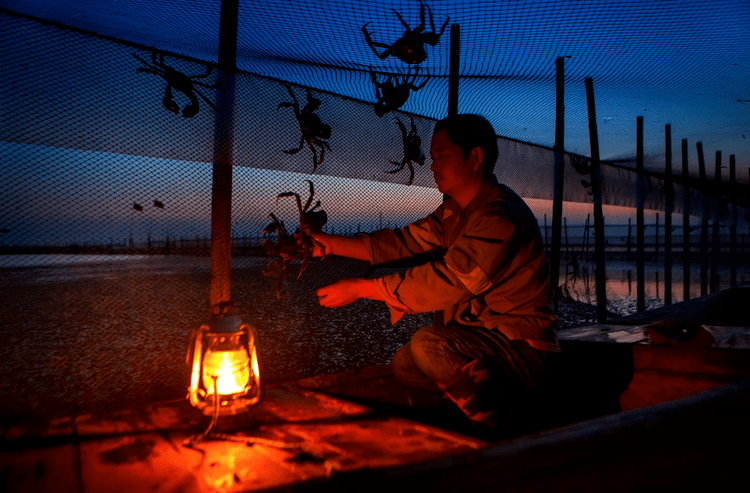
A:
{"points": [[478, 157]]}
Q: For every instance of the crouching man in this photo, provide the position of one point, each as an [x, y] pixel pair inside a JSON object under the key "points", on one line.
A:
{"points": [[488, 275]]}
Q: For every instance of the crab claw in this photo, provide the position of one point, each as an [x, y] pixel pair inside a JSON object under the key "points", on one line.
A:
{"points": [[169, 102]]}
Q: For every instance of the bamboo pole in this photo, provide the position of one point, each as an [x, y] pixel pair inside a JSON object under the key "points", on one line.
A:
{"points": [[685, 223], [559, 177], [669, 207], [733, 224], [715, 246], [640, 226], [704, 220], [596, 188], [221, 195]]}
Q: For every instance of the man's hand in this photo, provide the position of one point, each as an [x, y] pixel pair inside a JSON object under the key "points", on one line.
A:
{"points": [[322, 244], [344, 246], [346, 291]]}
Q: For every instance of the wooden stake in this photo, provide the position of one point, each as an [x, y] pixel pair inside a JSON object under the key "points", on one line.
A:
{"points": [[704, 221], [640, 225], [715, 247], [559, 177], [453, 74], [630, 239], [668, 208], [733, 224], [656, 238], [685, 223], [596, 188], [221, 195]]}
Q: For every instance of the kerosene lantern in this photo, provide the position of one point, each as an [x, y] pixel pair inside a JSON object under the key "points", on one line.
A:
{"points": [[223, 361]]}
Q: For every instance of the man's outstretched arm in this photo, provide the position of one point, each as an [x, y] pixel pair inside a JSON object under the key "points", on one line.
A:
{"points": [[343, 246]]}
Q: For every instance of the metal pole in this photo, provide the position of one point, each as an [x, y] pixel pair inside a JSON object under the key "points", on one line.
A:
{"points": [[596, 188], [669, 207], [559, 177], [640, 226], [704, 221], [221, 197], [685, 223], [454, 68]]}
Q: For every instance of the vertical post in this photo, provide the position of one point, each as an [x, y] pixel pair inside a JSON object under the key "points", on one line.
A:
{"points": [[640, 226], [596, 188], [715, 246], [669, 207], [733, 224], [221, 196], [704, 221], [630, 239], [559, 177], [454, 68], [656, 238], [685, 223]]}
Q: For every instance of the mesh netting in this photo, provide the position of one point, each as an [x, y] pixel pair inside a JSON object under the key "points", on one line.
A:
{"points": [[107, 194]]}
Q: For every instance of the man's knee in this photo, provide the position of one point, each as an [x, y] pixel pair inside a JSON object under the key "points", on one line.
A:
{"points": [[402, 360], [428, 341], [434, 353]]}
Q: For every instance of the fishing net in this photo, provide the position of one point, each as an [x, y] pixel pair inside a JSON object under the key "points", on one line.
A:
{"points": [[107, 174]]}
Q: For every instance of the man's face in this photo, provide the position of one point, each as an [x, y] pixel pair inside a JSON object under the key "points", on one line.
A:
{"points": [[451, 168]]}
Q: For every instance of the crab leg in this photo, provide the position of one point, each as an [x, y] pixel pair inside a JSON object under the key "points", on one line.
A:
{"points": [[309, 200]]}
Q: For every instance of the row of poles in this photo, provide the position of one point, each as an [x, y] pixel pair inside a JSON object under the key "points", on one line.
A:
{"points": [[222, 182], [599, 272]]}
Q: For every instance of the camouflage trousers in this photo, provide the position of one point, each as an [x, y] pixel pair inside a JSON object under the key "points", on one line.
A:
{"points": [[495, 381]]}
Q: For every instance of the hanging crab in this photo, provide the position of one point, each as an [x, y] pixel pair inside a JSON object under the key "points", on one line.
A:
{"points": [[186, 84], [412, 150], [409, 48], [300, 245], [314, 132], [393, 93]]}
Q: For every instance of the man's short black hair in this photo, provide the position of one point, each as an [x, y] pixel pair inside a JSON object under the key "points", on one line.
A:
{"points": [[469, 131]]}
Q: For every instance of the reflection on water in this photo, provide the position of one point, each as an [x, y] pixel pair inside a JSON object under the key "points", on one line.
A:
{"points": [[622, 283]]}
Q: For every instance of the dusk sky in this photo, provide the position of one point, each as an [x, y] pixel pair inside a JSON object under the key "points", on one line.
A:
{"points": [[99, 139]]}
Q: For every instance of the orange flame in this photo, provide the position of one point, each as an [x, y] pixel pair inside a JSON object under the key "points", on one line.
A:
{"points": [[231, 369]]}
